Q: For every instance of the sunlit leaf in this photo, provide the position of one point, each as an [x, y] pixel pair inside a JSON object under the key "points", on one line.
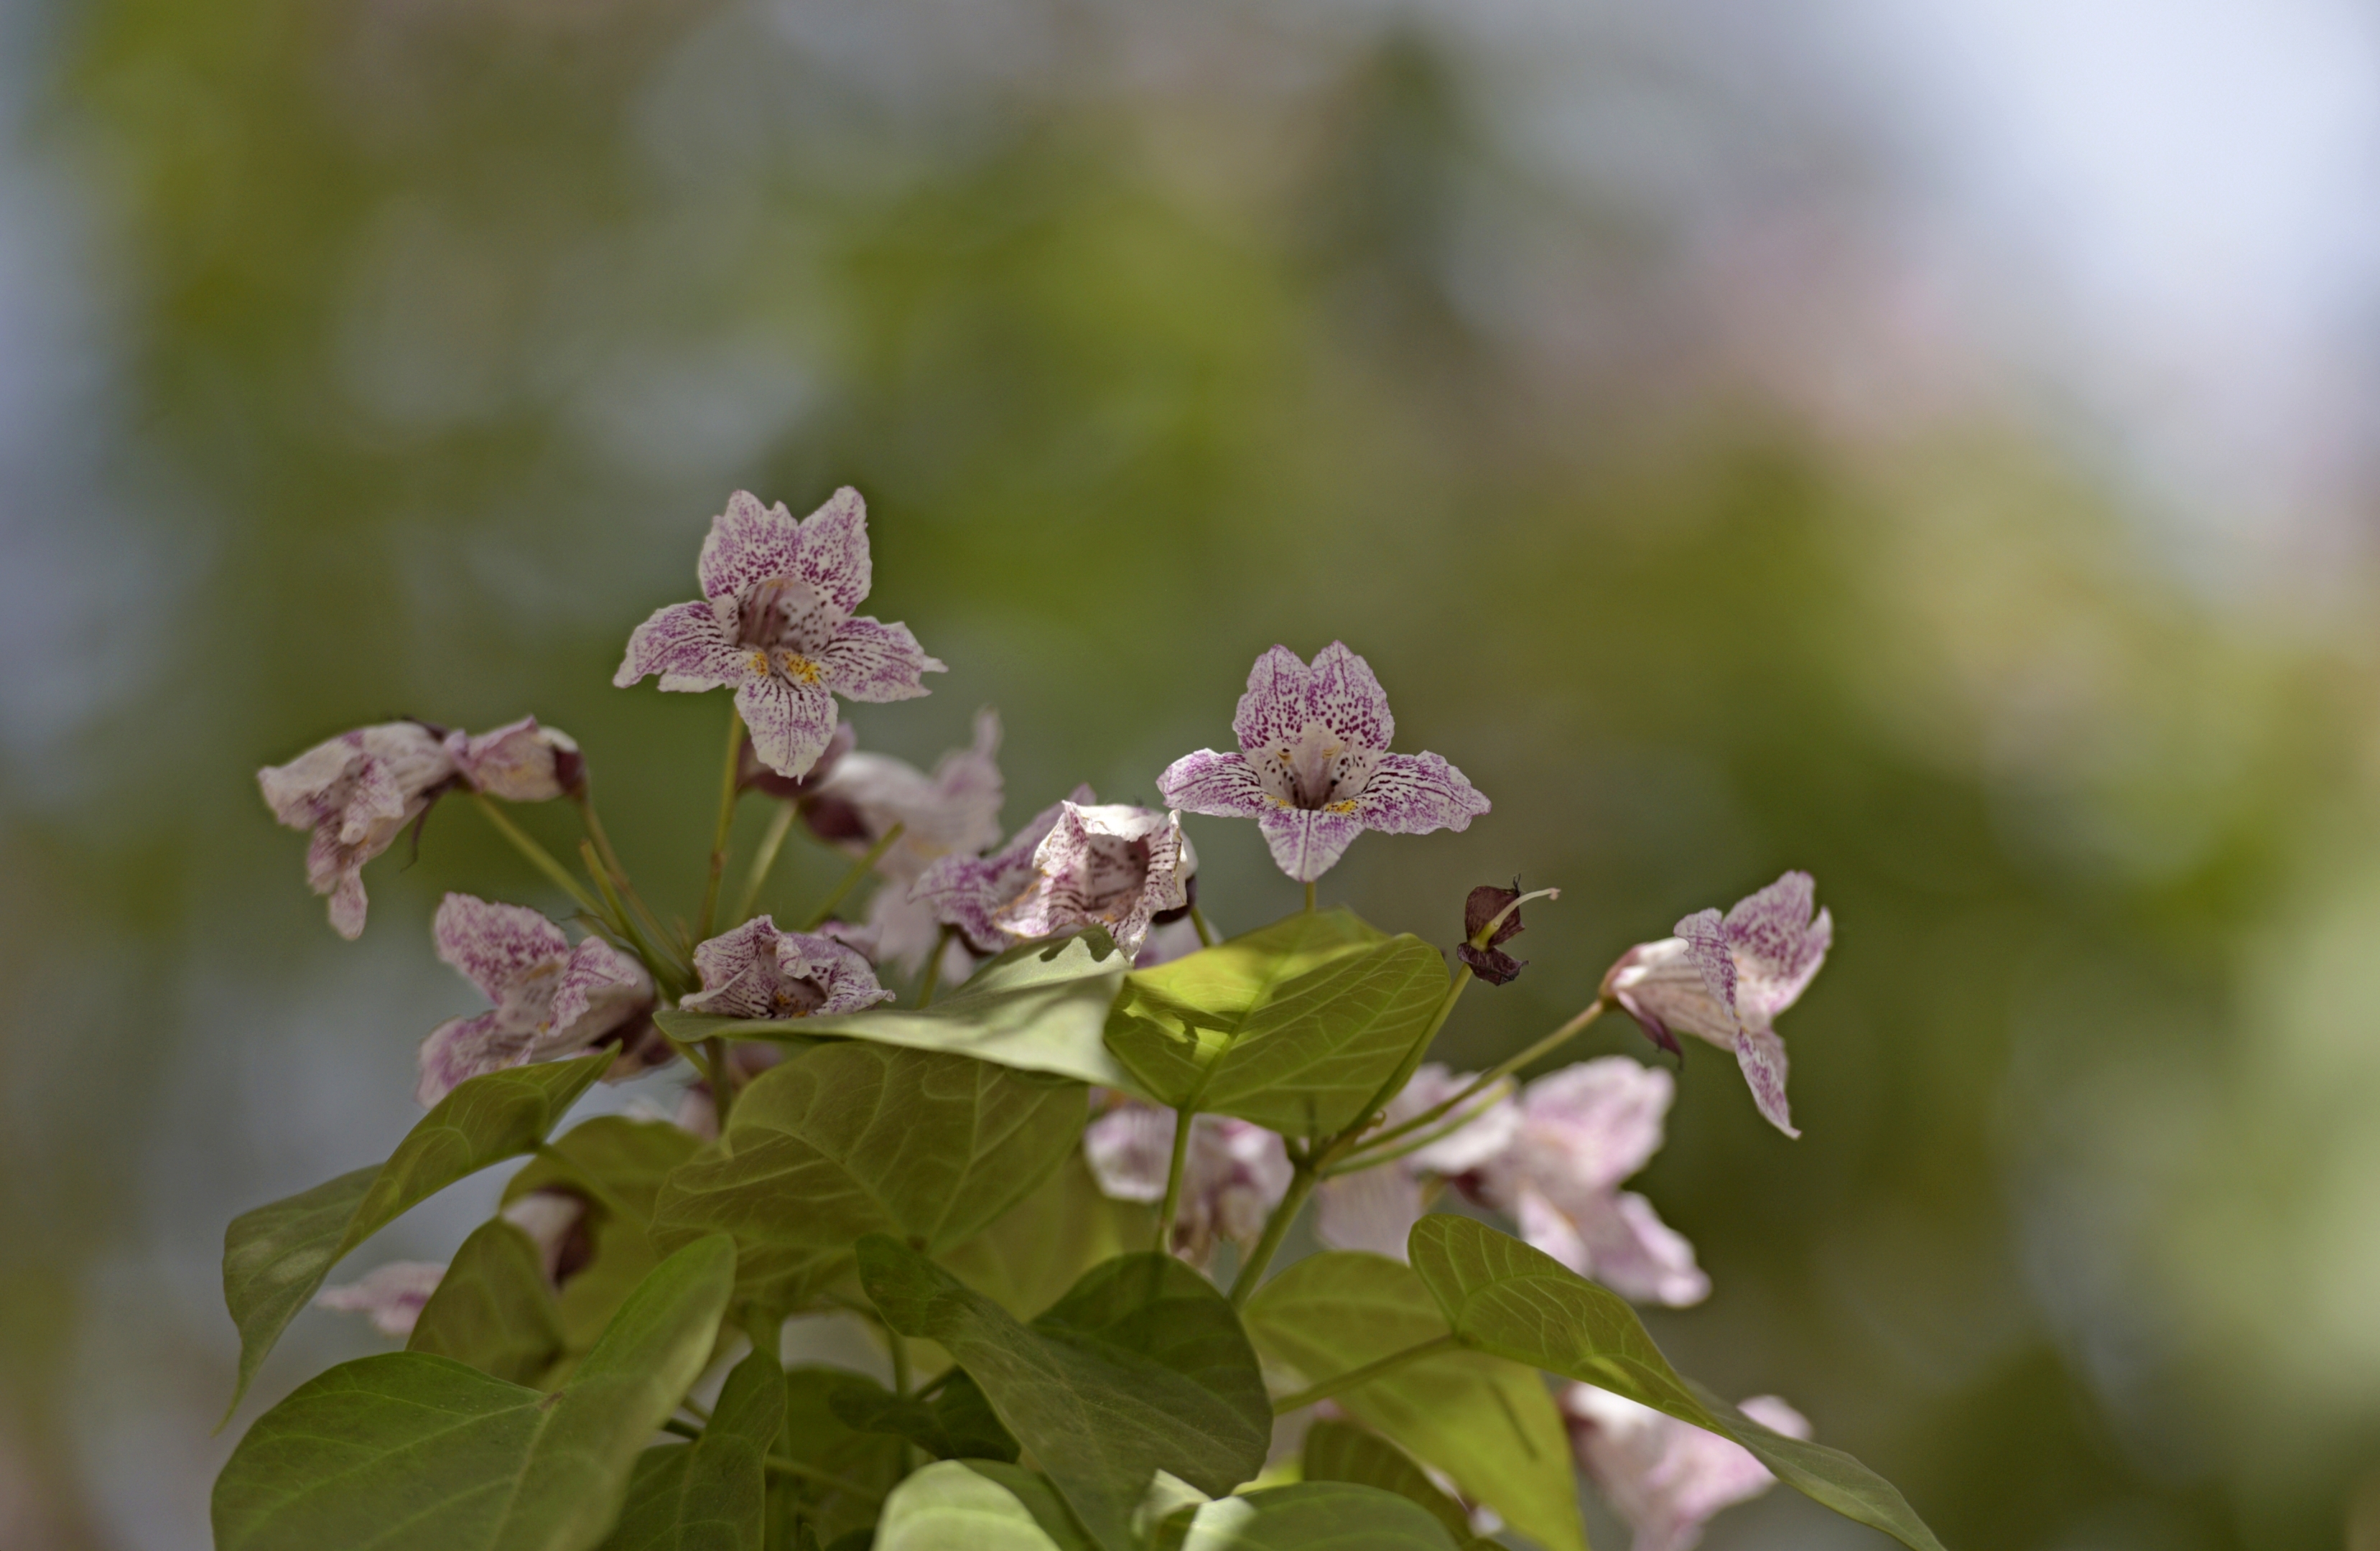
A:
{"points": [[976, 1505], [1502, 1296], [1310, 1516], [277, 1258], [1342, 1451], [1487, 1423], [1296, 1026], [710, 1495], [1142, 1367], [493, 1309], [410, 1452]]}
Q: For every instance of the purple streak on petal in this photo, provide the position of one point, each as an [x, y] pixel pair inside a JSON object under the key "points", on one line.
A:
{"points": [[1706, 949], [748, 543], [498, 948], [688, 645], [1305, 844], [347, 902], [841, 971], [461, 1049], [791, 724], [601, 988], [1346, 697], [1636, 1254], [1778, 948], [876, 662], [1221, 785], [834, 551], [1373, 1210], [1762, 1056], [1278, 702], [1113, 865], [1414, 793]]}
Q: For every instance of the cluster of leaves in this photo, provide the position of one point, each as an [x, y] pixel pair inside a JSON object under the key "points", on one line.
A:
{"points": [[1060, 1386]]}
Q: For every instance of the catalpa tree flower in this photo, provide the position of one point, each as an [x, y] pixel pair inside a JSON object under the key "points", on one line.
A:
{"points": [[778, 623], [549, 998], [1313, 768], [954, 812], [1725, 979], [1079, 863], [1668, 1478], [520, 762], [1375, 1208], [1234, 1172], [758, 971]]}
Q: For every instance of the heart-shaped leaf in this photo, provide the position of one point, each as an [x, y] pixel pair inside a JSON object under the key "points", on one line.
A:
{"points": [[1502, 1296], [1485, 1421], [1296, 1026], [976, 1505], [1311, 1516], [710, 1495], [1043, 1246], [275, 1257], [410, 1452], [1143, 1366], [494, 1309]]}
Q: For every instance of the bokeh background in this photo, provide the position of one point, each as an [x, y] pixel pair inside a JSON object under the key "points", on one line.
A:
{"points": [[1929, 444]]}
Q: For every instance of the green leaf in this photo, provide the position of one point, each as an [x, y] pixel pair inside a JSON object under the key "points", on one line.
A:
{"points": [[410, 1452], [976, 1505], [1142, 1367], [849, 1471], [1499, 1296], [275, 1257], [957, 1424], [1296, 1026], [1310, 1516], [493, 1309], [1487, 1423], [1043, 1244], [852, 1138], [1340, 1451], [712, 1494], [630, 1159]]}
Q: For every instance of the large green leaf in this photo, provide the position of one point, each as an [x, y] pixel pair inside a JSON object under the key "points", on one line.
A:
{"points": [[277, 1258], [1296, 1026], [847, 1472], [1485, 1421], [1143, 1366], [1342, 1451], [629, 1158], [976, 1505], [494, 1309], [1043, 1244], [852, 1138], [1310, 1516], [1499, 1296], [410, 1452], [710, 1495]]}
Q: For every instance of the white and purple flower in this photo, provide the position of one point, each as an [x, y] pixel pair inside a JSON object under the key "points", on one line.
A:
{"points": [[1725, 979], [1668, 1478], [1234, 1172], [1078, 864], [520, 762], [548, 998], [758, 971], [778, 622], [954, 812], [1313, 768], [970, 892]]}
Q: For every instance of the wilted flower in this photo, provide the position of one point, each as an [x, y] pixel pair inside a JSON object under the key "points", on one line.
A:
{"points": [[1668, 1478], [520, 762], [1727, 980], [970, 892], [549, 997], [1490, 962], [357, 794], [1313, 768], [1112, 865], [1234, 1172], [756, 971], [392, 1295], [777, 621]]}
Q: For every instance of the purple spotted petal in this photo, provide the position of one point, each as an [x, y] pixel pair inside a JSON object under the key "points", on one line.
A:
{"points": [[356, 792], [1308, 843], [1762, 1056], [1706, 949], [1414, 793], [1372, 1210], [1659, 984], [1278, 703], [1112, 865], [748, 543], [849, 980], [501, 949], [1776, 946], [688, 646], [461, 1049], [834, 551], [391, 1295], [871, 661], [601, 988], [791, 724], [758, 971], [1345, 696], [521, 762], [969, 892], [1222, 784]]}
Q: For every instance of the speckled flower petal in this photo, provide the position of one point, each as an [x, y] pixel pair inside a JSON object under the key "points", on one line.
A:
{"points": [[1706, 949], [1659, 984], [748, 543], [791, 724], [498, 948], [349, 903], [298, 791], [1086, 872], [688, 646], [1345, 696], [834, 557], [601, 988], [1221, 785], [1372, 1210], [1306, 843], [875, 662], [1414, 793], [1762, 1056], [1778, 948], [969, 892], [392, 1295], [521, 762], [1278, 702], [758, 971], [461, 1049], [849, 980]]}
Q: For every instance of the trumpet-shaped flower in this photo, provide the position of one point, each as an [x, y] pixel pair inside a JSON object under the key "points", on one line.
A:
{"points": [[756, 971], [777, 621], [391, 1296], [1313, 768], [1668, 1478], [1726, 978], [357, 793], [548, 998], [1110, 864], [1234, 1172], [970, 892], [521, 762]]}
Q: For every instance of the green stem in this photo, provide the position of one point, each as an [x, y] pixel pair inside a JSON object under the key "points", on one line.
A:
{"points": [[696, 1409], [1205, 937], [584, 798], [610, 1203], [722, 1080], [1372, 1154], [899, 1348], [1301, 1185], [1309, 893], [1496, 1074], [934, 967], [683, 1429], [771, 842], [1183, 1117], [1364, 1374], [540, 859], [823, 1478], [728, 789], [851, 878], [666, 970]]}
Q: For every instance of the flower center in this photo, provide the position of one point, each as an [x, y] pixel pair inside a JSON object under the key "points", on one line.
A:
{"points": [[1316, 769], [789, 620], [1114, 873]]}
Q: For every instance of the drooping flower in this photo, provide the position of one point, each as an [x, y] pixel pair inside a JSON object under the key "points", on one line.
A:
{"points": [[549, 998], [392, 1296], [778, 622], [1313, 768], [357, 793], [520, 762], [1668, 1478], [1725, 979], [1234, 1172], [756, 971]]}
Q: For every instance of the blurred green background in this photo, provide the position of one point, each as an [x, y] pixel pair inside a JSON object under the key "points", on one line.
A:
{"points": [[389, 357]]}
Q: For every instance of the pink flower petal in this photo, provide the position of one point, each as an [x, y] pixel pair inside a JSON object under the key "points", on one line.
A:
{"points": [[1207, 782], [1414, 793], [1308, 843], [1129, 1149], [461, 1049], [1762, 1056], [1278, 702], [1705, 936], [521, 762], [499, 948], [1777, 947], [1589, 1126], [748, 543], [833, 558], [1659, 984], [790, 723], [601, 988], [1630, 1250], [875, 662], [1346, 697], [688, 646], [1667, 1478], [1111, 865]]}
